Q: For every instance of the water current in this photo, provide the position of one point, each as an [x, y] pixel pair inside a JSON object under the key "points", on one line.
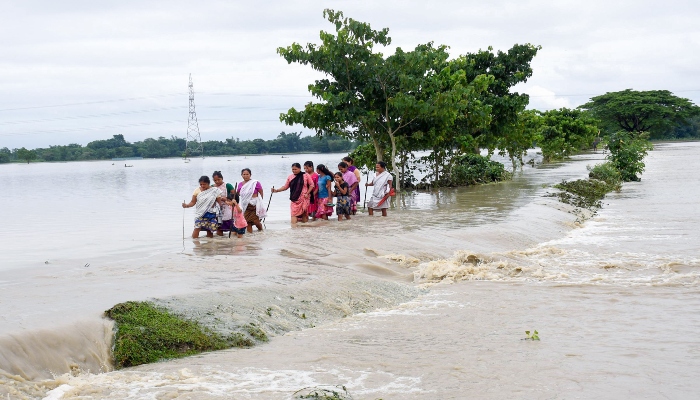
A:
{"points": [[430, 303]]}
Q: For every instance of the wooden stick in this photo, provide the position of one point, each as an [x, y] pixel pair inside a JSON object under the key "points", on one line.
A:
{"points": [[364, 206], [268, 204]]}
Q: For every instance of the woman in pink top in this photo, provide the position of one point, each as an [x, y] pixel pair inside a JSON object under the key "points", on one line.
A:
{"points": [[313, 200], [349, 178], [301, 186]]}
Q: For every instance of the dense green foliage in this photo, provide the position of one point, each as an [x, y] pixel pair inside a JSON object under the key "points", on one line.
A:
{"points": [[411, 100], [26, 155], [472, 169], [608, 173], [565, 132], [627, 152], [657, 112], [118, 147], [146, 333], [691, 130], [584, 193]]}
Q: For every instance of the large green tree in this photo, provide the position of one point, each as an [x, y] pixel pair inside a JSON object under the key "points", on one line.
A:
{"points": [[508, 69], [366, 96], [655, 111]]}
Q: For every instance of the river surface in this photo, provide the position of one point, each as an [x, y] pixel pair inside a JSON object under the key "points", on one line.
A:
{"points": [[614, 297]]}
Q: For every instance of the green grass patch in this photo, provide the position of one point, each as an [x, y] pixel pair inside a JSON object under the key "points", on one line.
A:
{"points": [[147, 333]]}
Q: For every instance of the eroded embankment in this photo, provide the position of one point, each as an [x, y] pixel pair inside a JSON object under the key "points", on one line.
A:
{"points": [[241, 318], [253, 315]]}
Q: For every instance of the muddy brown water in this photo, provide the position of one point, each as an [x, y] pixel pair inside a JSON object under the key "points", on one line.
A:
{"points": [[614, 297]]}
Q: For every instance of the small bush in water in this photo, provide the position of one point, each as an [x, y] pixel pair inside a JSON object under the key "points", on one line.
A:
{"points": [[584, 193], [607, 173], [627, 152], [147, 333], [471, 169]]}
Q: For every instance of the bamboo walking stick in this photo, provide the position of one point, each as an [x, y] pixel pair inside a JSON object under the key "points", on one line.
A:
{"points": [[235, 190], [364, 206]]}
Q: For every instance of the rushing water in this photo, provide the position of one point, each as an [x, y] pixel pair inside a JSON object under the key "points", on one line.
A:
{"points": [[614, 297]]}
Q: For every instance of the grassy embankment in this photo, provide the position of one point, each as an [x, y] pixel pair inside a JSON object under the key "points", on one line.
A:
{"points": [[147, 333]]}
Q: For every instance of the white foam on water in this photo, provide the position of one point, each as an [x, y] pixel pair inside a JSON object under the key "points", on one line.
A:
{"points": [[246, 382]]}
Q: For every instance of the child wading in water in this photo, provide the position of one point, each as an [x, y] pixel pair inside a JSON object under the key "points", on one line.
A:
{"points": [[342, 192], [239, 222]]}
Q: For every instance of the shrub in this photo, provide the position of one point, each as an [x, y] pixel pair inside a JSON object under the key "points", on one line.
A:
{"points": [[607, 173], [584, 193], [471, 169], [627, 150]]}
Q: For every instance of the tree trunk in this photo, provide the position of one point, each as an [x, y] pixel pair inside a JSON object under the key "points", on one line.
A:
{"points": [[378, 149], [393, 161]]}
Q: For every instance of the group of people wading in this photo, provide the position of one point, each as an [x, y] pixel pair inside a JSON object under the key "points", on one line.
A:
{"points": [[221, 207]]}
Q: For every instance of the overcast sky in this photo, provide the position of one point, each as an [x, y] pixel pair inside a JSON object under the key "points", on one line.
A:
{"points": [[73, 71]]}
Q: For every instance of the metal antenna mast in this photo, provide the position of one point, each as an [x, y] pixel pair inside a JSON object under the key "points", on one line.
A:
{"points": [[194, 139]]}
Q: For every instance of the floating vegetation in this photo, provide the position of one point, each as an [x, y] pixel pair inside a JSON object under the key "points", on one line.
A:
{"points": [[533, 336], [319, 393], [146, 333]]}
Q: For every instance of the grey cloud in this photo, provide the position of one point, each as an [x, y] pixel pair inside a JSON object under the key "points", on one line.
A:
{"points": [[81, 51]]}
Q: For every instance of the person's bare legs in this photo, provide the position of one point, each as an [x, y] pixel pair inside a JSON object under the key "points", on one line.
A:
{"points": [[340, 217], [347, 216], [305, 217], [257, 225], [383, 212], [210, 234], [294, 220], [250, 228], [370, 211], [220, 232], [195, 233]]}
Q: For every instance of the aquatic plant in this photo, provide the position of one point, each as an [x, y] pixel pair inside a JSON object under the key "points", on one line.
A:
{"points": [[146, 333], [533, 336]]}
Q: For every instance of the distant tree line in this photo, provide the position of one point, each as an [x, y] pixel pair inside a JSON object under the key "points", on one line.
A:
{"points": [[118, 147]]}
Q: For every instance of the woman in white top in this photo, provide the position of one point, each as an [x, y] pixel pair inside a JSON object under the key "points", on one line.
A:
{"points": [[205, 199], [382, 186]]}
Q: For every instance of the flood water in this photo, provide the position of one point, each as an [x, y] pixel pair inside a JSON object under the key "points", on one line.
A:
{"points": [[614, 297]]}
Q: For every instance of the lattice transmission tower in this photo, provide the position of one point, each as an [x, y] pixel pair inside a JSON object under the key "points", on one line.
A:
{"points": [[193, 142]]}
